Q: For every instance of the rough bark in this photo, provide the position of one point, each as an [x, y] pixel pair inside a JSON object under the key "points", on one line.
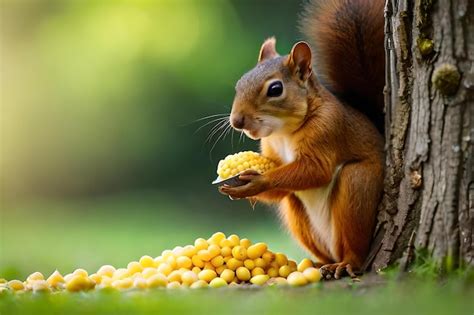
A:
{"points": [[429, 103]]}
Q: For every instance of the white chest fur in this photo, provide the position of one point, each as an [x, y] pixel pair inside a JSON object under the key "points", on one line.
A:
{"points": [[316, 202], [283, 147]]}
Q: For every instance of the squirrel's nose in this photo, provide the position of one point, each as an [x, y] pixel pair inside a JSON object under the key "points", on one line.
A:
{"points": [[238, 121]]}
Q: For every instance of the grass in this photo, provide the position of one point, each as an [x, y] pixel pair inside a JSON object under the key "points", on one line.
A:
{"points": [[117, 230]]}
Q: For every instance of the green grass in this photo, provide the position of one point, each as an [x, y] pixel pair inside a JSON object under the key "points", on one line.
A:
{"points": [[116, 230]]}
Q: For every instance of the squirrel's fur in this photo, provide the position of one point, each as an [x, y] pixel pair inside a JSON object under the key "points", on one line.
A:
{"points": [[330, 156]]}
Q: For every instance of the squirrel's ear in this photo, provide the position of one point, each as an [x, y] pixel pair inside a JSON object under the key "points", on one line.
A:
{"points": [[268, 51], [299, 60]]}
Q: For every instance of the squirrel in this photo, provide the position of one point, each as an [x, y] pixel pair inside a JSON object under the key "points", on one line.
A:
{"points": [[323, 129]]}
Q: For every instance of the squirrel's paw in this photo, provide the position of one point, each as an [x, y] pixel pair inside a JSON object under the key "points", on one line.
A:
{"points": [[337, 271]]}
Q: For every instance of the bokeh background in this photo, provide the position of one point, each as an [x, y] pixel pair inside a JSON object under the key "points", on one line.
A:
{"points": [[102, 158]]}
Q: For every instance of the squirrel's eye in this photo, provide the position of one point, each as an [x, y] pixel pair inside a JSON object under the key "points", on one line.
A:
{"points": [[275, 89]]}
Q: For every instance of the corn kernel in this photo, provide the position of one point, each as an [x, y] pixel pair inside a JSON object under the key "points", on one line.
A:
{"points": [[140, 283], [158, 280], [305, 263], [226, 243], [35, 276], [175, 275], [208, 265], [16, 285], [148, 272], [95, 277], [166, 254], [216, 238], [174, 285], [214, 250], [297, 278], [171, 261], [106, 270], [249, 264], [200, 244], [189, 277], [197, 262], [226, 251], [239, 252], [196, 270], [165, 269], [233, 263], [134, 267], [217, 261], [257, 271], [207, 275], [189, 251], [281, 259], [55, 279], [158, 260], [312, 274], [40, 286], [78, 283], [260, 262], [272, 272], [184, 262], [284, 271], [204, 255], [199, 284], [177, 251], [220, 269], [236, 163], [268, 257], [147, 261], [234, 239], [228, 275], [80, 272], [245, 242], [259, 279], [292, 264], [277, 281], [120, 273], [243, 274], [256, 250], [217, 283]]}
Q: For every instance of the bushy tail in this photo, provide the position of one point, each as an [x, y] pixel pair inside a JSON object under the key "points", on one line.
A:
{"points": [[348, 39]]}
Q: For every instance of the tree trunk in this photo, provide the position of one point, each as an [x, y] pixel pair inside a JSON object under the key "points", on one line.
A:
{"points": [[428, 201]]}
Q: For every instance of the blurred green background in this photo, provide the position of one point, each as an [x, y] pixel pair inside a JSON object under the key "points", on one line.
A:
{"points": [[101, 158]]}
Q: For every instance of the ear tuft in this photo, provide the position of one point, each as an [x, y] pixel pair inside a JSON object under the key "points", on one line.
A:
{"points": [[268, 51], [299, 60]]}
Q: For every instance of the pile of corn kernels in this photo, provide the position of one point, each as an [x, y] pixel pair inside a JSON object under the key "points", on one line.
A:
{"points": [[247, 160], [216, 262]]}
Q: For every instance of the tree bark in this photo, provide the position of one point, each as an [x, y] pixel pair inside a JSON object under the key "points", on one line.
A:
{"points": [[428, 201]]}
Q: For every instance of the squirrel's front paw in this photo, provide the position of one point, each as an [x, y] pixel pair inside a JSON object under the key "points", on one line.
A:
{"points": [[255, 186]]}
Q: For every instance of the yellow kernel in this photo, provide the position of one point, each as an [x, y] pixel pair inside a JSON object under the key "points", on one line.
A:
{"points": [[225, 243], [305, 263], [217, 283], [171, 261], [258, 271], [78, 283], [35, 276], [134, 267], [259, 262], [245, 242], [199, 284], [268, 257], [197, 262], [67, 277], [272, 272], [214, 250], [174, 285], [159, 260], [239, 252], [249, 264], [217, 261], [284, 271], [166, 254], [207, 275], [158, 280], [165, 269], [281, 259], [16, 285], [148, 272], [312, 274], [80, 272], [106, 270], [296, 278], [256, 250], [147, 261], [177, 251], [189, 250], [277, 281], [200, 244], [196, 270], [243, 274], [259, 279], [175, 275], [216, 238], [228, 275], [94, 277], [140, 283], [204, 255], [55, 279], [233, 263], [220, 269], [226, 251], [208, 265], [184, 262], [235, 239], [292, 264], [189, 278]]}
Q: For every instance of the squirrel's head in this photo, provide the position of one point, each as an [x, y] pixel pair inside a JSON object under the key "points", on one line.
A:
{"points": [[272, 97]]}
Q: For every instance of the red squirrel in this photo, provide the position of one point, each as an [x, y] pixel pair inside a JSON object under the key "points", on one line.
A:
{"points": [[322, 128]]}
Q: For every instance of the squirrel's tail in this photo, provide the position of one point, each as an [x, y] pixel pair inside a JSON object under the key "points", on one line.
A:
{"points": [[348, 39]]}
